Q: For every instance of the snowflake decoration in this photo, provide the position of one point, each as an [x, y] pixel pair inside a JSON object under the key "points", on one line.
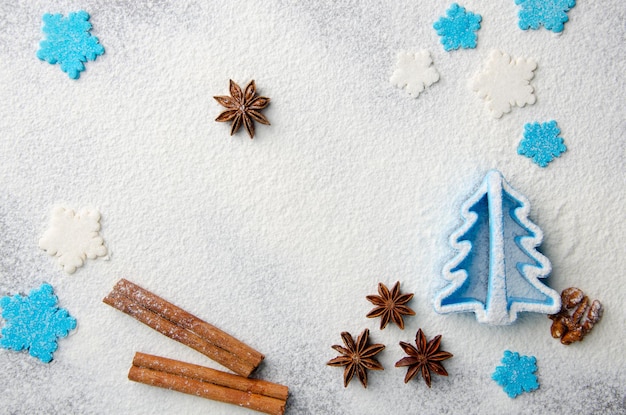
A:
{"points": [[34, 322], [73, 237], [69, 42], [505, 82], [541, 142], [458, 30], [517, 375], [414, 71], [552, 14]]}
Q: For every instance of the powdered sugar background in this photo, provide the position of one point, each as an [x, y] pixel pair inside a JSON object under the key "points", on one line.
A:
{"points": [[278, 240]]}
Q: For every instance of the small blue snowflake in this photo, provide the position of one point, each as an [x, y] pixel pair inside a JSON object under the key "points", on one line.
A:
{"points": [[34, 322], [541, 142], [517, 375], [552, 14], [458, 29], [69, 42]]}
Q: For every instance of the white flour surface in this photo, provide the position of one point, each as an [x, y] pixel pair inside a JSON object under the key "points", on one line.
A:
{"points": [[278, 240]]}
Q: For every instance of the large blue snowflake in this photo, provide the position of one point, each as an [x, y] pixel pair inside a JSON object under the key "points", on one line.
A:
{"points": [[517, 375], [541, 142], [34, 322], [552, 14], [458, 30], [69, 42]]}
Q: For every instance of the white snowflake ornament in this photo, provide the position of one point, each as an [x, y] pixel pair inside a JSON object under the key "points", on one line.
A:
{"points": [[73, 237], [414, 71], [505, 82]]}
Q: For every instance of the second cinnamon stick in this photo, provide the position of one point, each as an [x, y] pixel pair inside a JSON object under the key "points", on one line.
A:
{"points": [[207, 390], [205, 374]]}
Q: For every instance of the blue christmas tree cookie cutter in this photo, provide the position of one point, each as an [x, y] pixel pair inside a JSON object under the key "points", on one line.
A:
{"points": [[497, 270], [69, 42], [34, 322]]}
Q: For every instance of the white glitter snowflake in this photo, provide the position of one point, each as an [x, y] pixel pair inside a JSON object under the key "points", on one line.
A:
{"points": [[414, 71], [73, 237], [505, 82]]}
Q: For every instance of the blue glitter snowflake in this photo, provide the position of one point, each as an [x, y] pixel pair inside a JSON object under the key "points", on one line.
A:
{"points": [[552, 14], [34, 322], [517, 375], [541, 142], [69, 42], [458, 29]]}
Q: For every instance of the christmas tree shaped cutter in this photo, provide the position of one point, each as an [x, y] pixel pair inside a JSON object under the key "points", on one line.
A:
{"points": [[497, 270]]}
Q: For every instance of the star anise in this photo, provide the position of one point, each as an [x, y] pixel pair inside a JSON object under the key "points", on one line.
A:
{"points": [[357, 357], [423, 358], [242, 108], [390, 305]]}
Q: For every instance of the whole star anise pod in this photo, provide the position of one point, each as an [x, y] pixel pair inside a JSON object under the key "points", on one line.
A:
{"points": [[423, 358], [357, 357], [390, 306], [242, 108]]}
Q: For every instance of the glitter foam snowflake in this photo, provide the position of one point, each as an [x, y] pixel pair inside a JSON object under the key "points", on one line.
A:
{"points": [[69, 42], [73, 237], [541, 142], [458, 29], [34, 322], [552, 14], [505, 82], [415, 71], [517, 375]]}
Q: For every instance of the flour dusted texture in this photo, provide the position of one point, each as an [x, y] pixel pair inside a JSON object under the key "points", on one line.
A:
{"points": [[279, 239]]}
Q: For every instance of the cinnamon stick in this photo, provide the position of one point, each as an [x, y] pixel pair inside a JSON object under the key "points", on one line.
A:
{"points": [[207, 390], [155, 319], [216, 377], [188, 321]]}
